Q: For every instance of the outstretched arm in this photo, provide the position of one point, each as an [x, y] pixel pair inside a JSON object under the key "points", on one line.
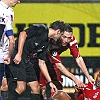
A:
{"points": [[82, 66], [62, 68]]}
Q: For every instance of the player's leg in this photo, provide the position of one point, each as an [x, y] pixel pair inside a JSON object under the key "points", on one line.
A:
{"points": [[18, 74], [4, 86], [16, 92], [32, 79], [4, 89], [35, 91], [1, 76], [61, 95]]}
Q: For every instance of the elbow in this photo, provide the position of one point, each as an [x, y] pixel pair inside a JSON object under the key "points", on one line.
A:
{"points": [[41, 63], [58, 65], [23, 34], [12, 42]]}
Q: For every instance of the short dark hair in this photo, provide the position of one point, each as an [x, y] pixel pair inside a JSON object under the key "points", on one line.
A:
{"points": [[58, 25], [68, 28]]}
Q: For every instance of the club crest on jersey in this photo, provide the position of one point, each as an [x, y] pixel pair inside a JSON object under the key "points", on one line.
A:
{"points": [[54, 53]]}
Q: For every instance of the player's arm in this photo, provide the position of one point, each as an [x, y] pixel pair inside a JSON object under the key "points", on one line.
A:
{"points": [[79, 60], [81, 64], [44, 69], [10, 35], [45, 72], [57, 60], [21, 41], [11, 45], [63, 69]]}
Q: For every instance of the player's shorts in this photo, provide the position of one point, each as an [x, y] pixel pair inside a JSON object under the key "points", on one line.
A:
{"points": [[24, 71]]}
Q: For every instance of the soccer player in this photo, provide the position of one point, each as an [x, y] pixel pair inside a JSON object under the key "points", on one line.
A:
{"points": [[89, 92], [34, 41], [67, 41], [6, 41], [55, 48]]}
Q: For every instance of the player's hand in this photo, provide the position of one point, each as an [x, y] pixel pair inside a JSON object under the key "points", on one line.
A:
{"points": [[7, 60], [79, 83], [17, 59], [76, 93], [53, 88], [77, 89], [91, 80]]}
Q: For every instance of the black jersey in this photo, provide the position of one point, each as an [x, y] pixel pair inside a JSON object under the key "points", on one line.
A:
{"points": [[36, 42]]}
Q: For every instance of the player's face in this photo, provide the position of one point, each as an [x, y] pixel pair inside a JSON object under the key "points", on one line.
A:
{"points": [[98, 81], [14, 2], [66, 37]]}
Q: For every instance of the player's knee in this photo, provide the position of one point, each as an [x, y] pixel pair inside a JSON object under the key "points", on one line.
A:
{"points": [[36, 89], [20, 89], [62, 93], [4, 87]]}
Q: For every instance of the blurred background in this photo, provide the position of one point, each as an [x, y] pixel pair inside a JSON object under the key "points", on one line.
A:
{"points": [[82, 15]]}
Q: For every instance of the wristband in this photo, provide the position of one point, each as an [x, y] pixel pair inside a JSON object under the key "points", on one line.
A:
{"points": [[49, 82]]}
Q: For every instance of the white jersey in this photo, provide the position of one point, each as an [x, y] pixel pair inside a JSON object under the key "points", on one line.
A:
{"points": [[6, 18]]}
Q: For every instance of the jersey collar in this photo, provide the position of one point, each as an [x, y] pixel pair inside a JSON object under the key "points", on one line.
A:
{"points": [[4, 5]]}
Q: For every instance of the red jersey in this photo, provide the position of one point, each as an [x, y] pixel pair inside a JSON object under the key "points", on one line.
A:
{"points": [[54, 50], [90, 92]]}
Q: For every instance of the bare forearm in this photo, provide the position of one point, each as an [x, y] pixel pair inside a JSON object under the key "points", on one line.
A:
{"points": [[63, 69], [44, 70], [82, 66], [21, 41], [11, 45]]}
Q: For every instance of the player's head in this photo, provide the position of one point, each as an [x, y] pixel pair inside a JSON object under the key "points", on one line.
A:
{"points": [[58, 28], [13, 3], [67, 35], [98, 80]]}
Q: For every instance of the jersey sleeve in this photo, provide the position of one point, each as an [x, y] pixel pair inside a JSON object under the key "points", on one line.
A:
{"points": [[73, 46]]}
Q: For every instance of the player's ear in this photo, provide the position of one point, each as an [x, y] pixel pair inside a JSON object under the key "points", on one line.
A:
{"points": [[58, 31]]}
